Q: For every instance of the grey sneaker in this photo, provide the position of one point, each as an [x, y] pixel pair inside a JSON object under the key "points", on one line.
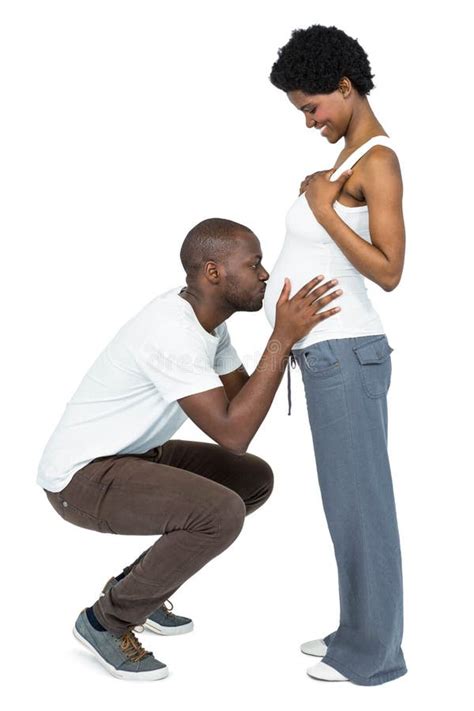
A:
{"points": [[122, 655], [161, 620]]}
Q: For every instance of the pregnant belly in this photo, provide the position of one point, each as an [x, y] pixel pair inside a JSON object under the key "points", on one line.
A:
{"points": [[301, 271]]}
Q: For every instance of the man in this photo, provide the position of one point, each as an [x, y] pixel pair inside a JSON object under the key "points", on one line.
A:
{"points": [[111, 465]]}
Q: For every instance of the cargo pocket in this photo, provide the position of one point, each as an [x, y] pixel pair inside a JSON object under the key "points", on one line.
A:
{"points": [[375, 366]]}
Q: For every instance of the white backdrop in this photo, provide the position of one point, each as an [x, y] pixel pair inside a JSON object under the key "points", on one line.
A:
{"points": [[123, 124]]}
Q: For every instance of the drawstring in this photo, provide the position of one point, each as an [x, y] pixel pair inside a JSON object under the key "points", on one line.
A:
{"points": [[292, 361]]}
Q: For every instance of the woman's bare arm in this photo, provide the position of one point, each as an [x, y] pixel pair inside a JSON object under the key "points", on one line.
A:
{"points": [[379, 180]]}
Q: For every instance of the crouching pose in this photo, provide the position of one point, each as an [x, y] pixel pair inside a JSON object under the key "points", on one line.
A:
{"points": [[112, 466]]}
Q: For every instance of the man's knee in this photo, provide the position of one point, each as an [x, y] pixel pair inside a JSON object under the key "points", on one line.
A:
{"points": [[231, 516], [266, 474], [262, 475]]}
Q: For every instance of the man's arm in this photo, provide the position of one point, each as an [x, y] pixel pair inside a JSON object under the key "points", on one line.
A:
{"points": [[233, 424], [233, 382]]}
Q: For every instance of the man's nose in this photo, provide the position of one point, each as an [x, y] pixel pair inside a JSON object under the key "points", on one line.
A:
{"points": [[309, 122]]}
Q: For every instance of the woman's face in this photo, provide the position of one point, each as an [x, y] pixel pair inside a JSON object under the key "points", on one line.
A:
{"points": [[325, 112]]}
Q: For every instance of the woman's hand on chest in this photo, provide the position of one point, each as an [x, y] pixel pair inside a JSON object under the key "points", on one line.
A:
{"points": [[321, 192]]}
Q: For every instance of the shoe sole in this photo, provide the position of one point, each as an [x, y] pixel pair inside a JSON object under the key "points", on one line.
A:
{"points": [[152, 675], [167, 631], [318, 678]]}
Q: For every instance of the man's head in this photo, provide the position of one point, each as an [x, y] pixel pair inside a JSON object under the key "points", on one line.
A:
{"points": [[224, 258]]}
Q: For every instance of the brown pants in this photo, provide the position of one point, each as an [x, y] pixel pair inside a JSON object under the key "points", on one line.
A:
{"points": [[195, 494]]}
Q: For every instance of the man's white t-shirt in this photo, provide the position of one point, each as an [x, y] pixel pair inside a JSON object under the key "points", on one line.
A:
{"points": [[126, 402]]}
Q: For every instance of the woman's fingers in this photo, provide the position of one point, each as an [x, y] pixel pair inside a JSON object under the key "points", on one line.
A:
{"points": [[306, 182]]}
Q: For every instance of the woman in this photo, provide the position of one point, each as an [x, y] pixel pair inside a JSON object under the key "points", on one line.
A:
{"points": [[345, 361]]}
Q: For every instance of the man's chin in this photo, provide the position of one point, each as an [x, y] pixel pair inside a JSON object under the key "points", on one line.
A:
{"points": [[254, 306], [257, 305]]}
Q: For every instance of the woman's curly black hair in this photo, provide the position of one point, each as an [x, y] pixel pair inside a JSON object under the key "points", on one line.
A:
{"points": [[314, 60]]}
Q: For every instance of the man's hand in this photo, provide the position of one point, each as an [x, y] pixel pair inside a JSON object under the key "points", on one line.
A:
{"points": [[298, 316]]}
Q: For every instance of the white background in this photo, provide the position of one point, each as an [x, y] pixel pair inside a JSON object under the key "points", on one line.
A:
{"points": [[123, 124]]}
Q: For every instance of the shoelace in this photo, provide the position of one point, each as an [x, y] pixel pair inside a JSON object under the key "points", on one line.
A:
{"points": [[132, 647], [166, 610]]}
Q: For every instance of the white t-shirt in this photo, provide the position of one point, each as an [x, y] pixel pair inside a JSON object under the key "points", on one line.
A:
{"points": [[126, 402]]}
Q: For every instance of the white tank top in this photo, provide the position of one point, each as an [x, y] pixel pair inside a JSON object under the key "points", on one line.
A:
{"points": [[309, 250]]}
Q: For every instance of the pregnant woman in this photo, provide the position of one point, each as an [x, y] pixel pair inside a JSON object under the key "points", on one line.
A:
{"points": [[347, 223]]}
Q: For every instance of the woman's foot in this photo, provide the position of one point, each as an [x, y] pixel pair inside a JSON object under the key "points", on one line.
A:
{"points": [[324, 672], [315, 647]]}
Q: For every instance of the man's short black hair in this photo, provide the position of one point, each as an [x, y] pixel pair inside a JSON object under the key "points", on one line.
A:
{"points": [[212, 239], [314, 60]]}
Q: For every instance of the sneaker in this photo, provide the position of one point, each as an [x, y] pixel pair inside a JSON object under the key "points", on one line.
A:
{"points": [[315, 647], [161, 620], [122, 655], [324, 672]]}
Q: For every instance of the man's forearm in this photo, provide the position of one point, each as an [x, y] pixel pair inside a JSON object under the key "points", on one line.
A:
{"points": [[249, 407]]}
